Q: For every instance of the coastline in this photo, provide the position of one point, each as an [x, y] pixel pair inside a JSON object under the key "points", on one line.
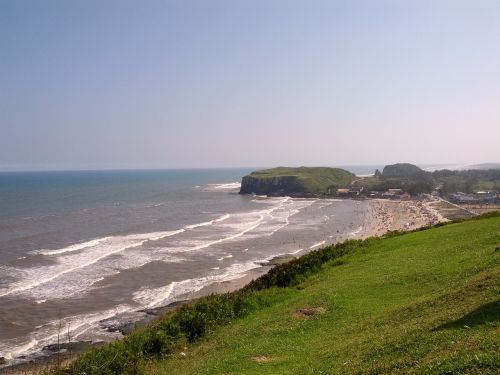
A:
{"points": [[383, 216]]}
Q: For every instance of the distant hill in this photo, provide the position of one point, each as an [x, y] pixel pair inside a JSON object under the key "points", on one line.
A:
{"points": [[486, 166], [402, 170], [296, 181]]}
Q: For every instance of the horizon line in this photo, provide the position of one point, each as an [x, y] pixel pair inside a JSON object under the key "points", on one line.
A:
{"points": [[133, 169]]}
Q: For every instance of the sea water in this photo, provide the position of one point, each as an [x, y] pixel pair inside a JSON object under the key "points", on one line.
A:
{"points": [[78, 249]]}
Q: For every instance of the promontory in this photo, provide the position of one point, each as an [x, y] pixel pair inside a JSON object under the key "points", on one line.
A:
{"points": [[301, 181]]}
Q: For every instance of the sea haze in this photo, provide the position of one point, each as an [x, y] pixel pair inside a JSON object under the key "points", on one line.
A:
{"points": [[81, 249]]}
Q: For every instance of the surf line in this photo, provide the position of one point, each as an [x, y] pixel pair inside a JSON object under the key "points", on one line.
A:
{"points": [[93, 243]]}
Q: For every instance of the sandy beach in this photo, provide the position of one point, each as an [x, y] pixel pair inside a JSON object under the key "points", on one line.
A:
{"points": [[401, 216]]}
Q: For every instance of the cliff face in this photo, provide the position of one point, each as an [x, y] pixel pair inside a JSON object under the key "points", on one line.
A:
{"points": [[279, 185]]}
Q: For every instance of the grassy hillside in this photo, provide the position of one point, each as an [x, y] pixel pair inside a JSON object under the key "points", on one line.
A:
{"points": [[316, 180], [402, 170], [423, 302], [411, 178]]}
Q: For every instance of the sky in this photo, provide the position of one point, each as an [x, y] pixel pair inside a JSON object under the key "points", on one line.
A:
{"points": [[194, 84]]}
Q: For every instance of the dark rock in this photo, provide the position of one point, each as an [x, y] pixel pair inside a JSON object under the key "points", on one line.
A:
{"points": [[275, 186], [3, 361], [76, 346], [280, 259], [162, 310], [128, 326]]}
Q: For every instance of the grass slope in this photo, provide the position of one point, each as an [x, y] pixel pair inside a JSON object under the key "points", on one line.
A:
{"points": [[421, 302], [424, 302]]}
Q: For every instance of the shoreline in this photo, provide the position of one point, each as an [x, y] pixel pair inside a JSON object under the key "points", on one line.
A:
{"points": [[383, 216]]}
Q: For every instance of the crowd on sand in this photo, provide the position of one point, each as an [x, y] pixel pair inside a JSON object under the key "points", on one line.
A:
{"points": [[387, 215]]}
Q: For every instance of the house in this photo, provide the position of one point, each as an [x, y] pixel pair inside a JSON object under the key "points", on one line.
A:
{"points": [[343, 192], [355, 191], [462, 198], [486, 196]]}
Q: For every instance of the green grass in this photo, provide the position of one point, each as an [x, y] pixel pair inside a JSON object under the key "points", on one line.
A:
{"points": [[425, 302]]}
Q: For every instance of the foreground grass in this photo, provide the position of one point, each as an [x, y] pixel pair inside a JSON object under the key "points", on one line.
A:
{"points": [[422, 302]]}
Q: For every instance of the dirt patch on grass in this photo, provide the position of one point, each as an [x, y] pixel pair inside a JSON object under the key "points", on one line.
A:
{"points": [[262, 358], [308, 312]]}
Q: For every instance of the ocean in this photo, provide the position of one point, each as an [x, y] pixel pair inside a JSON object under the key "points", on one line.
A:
{"points": [[79, 250]]}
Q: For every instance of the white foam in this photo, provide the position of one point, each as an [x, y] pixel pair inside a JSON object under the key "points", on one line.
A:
{"points": [[206, 223], [275, 218], [69, 263], [353, 233], [77, 257], [155, 297], [226, 186], [18, 350], [248, 227], [225, 257], [47, 334], [72, 248], [318, 244], [148, 299]]}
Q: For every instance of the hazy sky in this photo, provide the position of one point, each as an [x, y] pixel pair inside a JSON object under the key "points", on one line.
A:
{"points": [[152, 84]]}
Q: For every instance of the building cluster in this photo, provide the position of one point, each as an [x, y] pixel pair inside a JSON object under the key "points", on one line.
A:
{"points": [[350, 192], [481, 197], [396, 194]]}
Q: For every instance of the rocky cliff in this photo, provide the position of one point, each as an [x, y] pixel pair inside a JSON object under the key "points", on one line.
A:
{"points": [[279, 185]]}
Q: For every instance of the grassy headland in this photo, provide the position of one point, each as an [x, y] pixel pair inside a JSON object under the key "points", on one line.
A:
{"points": [[420, 302], [302, 180]]}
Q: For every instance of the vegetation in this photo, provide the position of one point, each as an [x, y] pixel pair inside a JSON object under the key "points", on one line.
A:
{"points": [[283, 180], [414, 180], [467, 181], [402, 170], [421, 302]]}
